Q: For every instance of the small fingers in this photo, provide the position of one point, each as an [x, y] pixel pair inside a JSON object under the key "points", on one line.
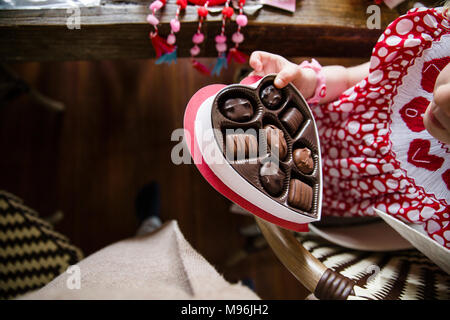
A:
{"points": [[256, 61], [286, 75], [264, 63]]}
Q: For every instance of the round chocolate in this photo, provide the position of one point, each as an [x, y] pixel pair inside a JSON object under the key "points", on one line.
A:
{"points": [[303, 160], [275, 140], [292, 119], [271, 97], [272, 178], [237, 109], [300, 195]]}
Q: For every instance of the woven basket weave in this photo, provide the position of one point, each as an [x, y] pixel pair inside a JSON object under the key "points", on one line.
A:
{"points": [[31, 252], [404, 275]]}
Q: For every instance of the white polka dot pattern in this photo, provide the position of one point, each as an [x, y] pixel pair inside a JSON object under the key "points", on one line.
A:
{"points": [[360, 169]]}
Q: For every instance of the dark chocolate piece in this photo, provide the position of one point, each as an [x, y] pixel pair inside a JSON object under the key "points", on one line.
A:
{"points": [[271, 97], [237, 109], [292, 119], [303, 160], [276, 141], [300, 195], [241, 146], [272, 178]]}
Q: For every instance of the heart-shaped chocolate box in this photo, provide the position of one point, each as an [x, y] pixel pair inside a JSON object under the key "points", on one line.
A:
{"points": [[269, 109], [288, 111]]}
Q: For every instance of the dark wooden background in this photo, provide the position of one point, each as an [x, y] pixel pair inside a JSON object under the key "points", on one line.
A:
{"points": [[118, 30], [114, 137]]}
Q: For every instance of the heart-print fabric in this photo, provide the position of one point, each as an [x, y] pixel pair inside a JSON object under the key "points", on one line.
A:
{"points": [[375, 149]]}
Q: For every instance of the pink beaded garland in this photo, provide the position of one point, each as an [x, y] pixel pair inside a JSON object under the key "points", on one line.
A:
{"points": [[195, 50], [152, 20], [171, 39], [221, 47], [221, 39], [237, 37], [241, 20], [198, 38], [175, 25], [156, 5]]}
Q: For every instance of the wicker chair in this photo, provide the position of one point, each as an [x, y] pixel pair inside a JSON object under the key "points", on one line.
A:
{"points": [[330, 271]]}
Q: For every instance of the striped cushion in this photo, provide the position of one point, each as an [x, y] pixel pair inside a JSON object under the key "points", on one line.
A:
{"points": [[31, 252]]}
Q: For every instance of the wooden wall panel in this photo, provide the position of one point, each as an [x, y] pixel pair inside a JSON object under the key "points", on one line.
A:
{"points": [[114, 137]]}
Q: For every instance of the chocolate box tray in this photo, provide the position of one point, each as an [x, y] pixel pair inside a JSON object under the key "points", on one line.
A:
{"points": [[305, 135]]}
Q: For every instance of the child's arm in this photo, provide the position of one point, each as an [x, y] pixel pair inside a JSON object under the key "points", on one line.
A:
{"points": [[338, 78]]}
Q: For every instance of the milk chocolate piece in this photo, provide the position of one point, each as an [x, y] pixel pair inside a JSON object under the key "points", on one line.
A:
{"points": [[272, 178], [271, 97], [275, 140], [300, 195], [292, 120], [303, 160], [241, 146], [237, 109]]}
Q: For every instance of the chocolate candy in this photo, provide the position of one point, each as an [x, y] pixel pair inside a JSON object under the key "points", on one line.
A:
{"points": [[300, 195], [303, 160], [271, 97], [292, 119], [275, 140], [272, 178], [241, 146], [237, 109]]}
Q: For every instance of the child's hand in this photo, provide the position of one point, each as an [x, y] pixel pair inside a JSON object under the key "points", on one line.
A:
{"points": [[303, 78], [437, 115]]}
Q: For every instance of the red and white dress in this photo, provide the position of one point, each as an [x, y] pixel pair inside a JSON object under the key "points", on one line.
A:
{"points": [[376, 151]]}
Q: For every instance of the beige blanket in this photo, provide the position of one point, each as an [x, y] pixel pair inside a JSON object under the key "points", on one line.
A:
{"points": [[161, 265]]}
